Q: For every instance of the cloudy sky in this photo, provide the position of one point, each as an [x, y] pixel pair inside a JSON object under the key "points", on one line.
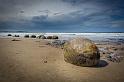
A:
{"points": [[62, 15]]}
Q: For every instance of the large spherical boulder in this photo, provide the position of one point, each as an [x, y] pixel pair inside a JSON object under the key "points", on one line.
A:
{"points": [[82, 52]]}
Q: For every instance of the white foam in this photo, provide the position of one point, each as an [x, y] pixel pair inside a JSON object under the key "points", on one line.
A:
{"points": [[92, 36]]}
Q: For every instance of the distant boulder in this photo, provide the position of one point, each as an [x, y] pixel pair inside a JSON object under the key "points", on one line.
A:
{"points": [[26, 36], [16, 35], [41, 37], [55, 37], [33, 36], [52, 37], [49, 37], [82, 52], [9, 35]]}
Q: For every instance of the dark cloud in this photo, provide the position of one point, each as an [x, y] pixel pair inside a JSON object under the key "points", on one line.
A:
{"points": [[62, 15], [22, 11], [45, 11], [58, 13], [76, 2]]}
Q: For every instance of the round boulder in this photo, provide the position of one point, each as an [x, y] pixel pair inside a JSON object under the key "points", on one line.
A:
{"points": [[9, 35], [41, 37], [49, 37], [26, 36], [81, 52], [55, 37], [33, 36]]}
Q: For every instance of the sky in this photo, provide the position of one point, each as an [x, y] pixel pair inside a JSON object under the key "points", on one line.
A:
{"points": [[62, 15]]}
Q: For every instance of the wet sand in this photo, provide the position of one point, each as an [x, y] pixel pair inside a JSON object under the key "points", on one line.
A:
{"points": [[31, 60]]}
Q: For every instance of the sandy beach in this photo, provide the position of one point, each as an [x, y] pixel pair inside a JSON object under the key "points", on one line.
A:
{"points": [[31, 60]]}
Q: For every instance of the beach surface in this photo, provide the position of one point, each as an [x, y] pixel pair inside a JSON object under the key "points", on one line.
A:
{"points": [[31, 60]]}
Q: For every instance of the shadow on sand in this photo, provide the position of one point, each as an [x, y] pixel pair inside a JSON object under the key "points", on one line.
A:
{"points": [[102, 63]]}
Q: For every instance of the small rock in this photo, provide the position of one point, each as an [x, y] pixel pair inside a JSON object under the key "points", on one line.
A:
{"points": [[45, 61], [103, 53]]}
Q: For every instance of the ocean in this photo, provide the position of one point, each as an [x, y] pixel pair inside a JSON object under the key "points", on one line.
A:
{"points": [[67, 36]]}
